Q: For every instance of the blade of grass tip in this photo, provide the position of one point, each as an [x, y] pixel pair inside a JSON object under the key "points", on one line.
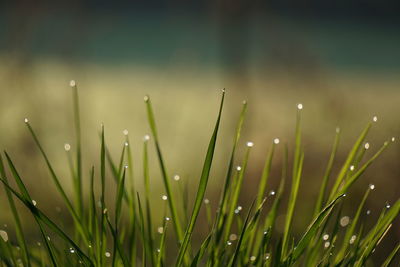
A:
{"points": [[146, 178], [171, 202], [291, 206], [297, 165], [77, 122], [222, 203], [240, 240], [202, 186], [350, 158], [77, 220], [362, 169], [391, 256], [311, 230], [236, 193], [161, 250], [352, 227], [328, 172], [18, 227]]}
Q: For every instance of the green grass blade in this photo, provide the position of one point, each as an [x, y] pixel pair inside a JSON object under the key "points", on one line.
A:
{"points": [[391, 256], [265, 175], [171, 202], [349, 160], [202, 186], [328, 171], [199, 255], [161, 251], [18, 227]]}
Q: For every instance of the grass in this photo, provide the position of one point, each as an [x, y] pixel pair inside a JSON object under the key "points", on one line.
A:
{"points": [[128, 228]]}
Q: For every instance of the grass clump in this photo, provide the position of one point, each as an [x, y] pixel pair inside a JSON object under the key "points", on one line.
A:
{"points": [[128, 228]]}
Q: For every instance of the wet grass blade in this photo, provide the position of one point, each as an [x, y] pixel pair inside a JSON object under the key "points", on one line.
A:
{"points": [[171, 202], [202, 186], [199, 255], [161, 251], [391, 256], [265, 175]]}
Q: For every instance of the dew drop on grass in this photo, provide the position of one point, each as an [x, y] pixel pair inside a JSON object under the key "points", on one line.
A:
{"points": [[177, 177], [34, 202], [233, 237], [160, 230], [146, 98], [164, 197], [236, 211], [105, 211], [229, 243], [393, 139], [238, 168], [126, 144], [276, 141], [352, 239], [387, 205], [366, 146], [374, 118], [272, 193], [267, 256], [325, 237], [72, 83], [239, 208], [158, 250], [4, 235], [107, 254], [146, 138], [67, 147], [327, 244], [39, 244], [265, 232], [223, 90], [252, 258], [372, 186], [125, 132], [352, 168], [249, 144], [337, 130], [167, 218], [344, 221], [368, 212], [299, 106], [26, 120], [125, 167], [71, 250], [206, 201]]}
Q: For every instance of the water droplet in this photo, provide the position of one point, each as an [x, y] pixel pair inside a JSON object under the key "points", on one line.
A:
{"points": [[327, 244], [223, 90], [39, 244], [352, 239], [393, 139], [158, 250], [366, 146], [239, 208], [229, 243], [26, 120], [276, 141], [71, 250], [265, 232], [236, 211], [34, 202], [67, 147], [325, 237], [206, 201], [299, 106], [372, 186], [160, 230], [374, 118], [244, 102], [252, 258], [249, 144], [267, 256], [126, 144], [344, 221], [167, 218], [4, 235], [272, 193], [105, 211], [146, 138], [233, 237], [368, 212], [352, 168], [126, 167], [337, 130], [90, 246], [48, 238], [107, 254], [164, 197], [72, 83], [387, 205], [177, 177], [146, 98], [125, 132], [238, 168]]}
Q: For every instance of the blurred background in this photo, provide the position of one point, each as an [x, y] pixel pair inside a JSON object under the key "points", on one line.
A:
{"points": [[340, 59]]}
